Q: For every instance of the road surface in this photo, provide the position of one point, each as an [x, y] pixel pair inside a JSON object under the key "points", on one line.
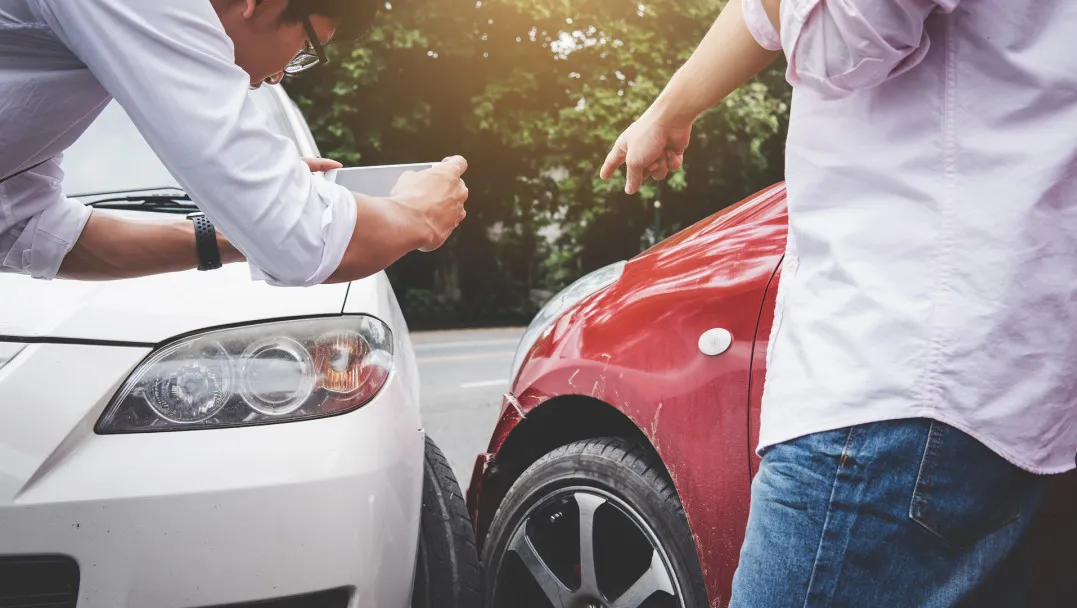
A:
{"points": [[463, 375]]}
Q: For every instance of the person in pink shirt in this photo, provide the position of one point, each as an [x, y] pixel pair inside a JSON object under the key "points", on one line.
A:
{"points": [[920, 370]]}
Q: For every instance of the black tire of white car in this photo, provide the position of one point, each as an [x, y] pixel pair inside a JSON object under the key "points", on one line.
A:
{"points": [[604, 471], [447, 567]]}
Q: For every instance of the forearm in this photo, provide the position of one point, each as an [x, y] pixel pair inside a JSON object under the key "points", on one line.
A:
{"points": [[112, 247], [727, 57], [421, 212], [385, 231]]}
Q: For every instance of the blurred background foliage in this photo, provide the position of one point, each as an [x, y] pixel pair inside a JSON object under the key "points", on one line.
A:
{"points": [[533, 93]]}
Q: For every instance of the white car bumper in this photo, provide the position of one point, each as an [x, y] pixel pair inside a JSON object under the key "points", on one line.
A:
{"points": [[212, 517]]}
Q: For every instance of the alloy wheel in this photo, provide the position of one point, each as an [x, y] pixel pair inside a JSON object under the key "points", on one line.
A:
{"points": [[583, 547]]}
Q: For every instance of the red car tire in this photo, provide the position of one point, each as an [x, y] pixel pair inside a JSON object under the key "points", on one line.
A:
{"points": [[624, 492]]}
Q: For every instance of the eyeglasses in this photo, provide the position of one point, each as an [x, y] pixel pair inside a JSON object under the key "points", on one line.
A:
{"points": [[312, 55]]}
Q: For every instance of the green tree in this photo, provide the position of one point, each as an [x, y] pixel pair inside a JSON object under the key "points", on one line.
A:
{"points": [[533, 94]]}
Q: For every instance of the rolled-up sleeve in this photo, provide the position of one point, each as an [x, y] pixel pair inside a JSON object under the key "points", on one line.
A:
{"points": [[836, 47], [38, 225], [171, 66], [759, 25]]}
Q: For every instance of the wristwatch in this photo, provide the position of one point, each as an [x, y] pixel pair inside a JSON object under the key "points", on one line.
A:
{"points": [[205, 241]]}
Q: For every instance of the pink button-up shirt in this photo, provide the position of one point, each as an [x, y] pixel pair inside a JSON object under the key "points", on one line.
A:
{"points": [[932, 188]]}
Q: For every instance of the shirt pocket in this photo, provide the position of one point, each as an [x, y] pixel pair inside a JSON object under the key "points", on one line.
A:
{"points": [[965, 491]]}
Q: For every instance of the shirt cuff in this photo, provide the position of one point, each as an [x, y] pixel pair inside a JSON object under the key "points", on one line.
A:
{"points": [[337, 226], [760, 26], [47, 238]]}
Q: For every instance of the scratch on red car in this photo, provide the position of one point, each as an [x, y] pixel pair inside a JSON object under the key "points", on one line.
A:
{"points": [[654, 423], [515, 404], [529, 402], [703, 566]]}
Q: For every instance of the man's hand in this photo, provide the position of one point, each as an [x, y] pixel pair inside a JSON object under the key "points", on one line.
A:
{"points": [[651, 147], [436, 197], [420, 213], [726, 58], [433, 197]]}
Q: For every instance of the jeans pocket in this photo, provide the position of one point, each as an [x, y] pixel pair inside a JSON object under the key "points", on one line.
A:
{"points": [[965, 491]]}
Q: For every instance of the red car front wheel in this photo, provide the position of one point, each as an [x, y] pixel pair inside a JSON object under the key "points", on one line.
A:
{"points": [[595, 523]]}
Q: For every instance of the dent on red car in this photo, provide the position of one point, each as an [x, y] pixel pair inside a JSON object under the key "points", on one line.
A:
{"points": [[634, 346]]}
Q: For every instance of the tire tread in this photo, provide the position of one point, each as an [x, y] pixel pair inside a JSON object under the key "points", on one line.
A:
{"points": [[445, 516]]}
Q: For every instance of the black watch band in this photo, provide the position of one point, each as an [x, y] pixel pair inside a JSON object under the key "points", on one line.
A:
{"points": [[205, 241]]}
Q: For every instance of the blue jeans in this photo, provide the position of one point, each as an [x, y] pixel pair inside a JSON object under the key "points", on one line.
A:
{"points": [[899, 513]]}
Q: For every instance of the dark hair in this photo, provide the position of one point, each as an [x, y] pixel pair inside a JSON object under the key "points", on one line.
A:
{"points": [[354, 17]]}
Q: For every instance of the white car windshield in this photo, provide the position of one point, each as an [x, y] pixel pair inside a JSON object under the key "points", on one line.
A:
{"points": [[111, 156]]}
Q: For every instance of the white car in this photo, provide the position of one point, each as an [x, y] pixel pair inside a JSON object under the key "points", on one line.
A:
{"points": [[201, 439]]}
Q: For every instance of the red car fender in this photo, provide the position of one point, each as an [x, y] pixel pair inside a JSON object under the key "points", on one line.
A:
{"points": [[635, 347]]}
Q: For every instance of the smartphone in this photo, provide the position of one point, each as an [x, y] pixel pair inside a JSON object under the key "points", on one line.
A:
{"points": [[373, 181]]}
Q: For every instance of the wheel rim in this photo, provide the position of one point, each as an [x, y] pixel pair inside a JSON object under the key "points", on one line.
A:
{"points": [[583, 547]]}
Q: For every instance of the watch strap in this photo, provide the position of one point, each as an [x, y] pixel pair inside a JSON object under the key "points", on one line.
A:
{"points": [[205, 240]]}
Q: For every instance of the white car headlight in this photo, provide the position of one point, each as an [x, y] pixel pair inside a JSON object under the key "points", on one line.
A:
{"points": [[273, 372], [568, 297]]}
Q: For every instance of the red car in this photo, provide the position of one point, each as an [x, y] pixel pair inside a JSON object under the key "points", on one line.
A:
{"points": [[619, 471]]}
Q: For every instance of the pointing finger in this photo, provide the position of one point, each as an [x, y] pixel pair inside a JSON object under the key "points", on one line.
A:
{"points": [[614, 159]]}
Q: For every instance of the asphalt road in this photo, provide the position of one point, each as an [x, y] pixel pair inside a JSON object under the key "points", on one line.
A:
{"points": [[463, 375]]}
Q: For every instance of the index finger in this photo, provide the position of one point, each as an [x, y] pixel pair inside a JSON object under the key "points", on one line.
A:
{"points": [[614, 159]]}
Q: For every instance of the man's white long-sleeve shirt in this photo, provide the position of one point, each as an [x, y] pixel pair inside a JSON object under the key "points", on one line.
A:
{"points": [[170, 65], [931, 266]]}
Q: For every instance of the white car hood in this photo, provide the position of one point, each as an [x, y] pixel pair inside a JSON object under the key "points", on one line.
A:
{"points": [[152, 309]]}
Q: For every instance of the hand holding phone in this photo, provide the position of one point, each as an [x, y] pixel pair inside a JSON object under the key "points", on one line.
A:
{"points": [[431, 196], [437, 194]]}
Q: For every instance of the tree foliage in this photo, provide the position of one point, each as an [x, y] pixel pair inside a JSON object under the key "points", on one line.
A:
{"points": [[533, 93]]}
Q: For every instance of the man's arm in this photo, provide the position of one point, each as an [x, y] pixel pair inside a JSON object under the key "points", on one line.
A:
{"points": [[113, 247], [170, 65], [727, 57]]}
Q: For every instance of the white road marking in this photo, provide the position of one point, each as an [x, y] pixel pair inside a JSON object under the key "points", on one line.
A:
{"points": [[465, 357], [484, 383], [473, 343]]}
